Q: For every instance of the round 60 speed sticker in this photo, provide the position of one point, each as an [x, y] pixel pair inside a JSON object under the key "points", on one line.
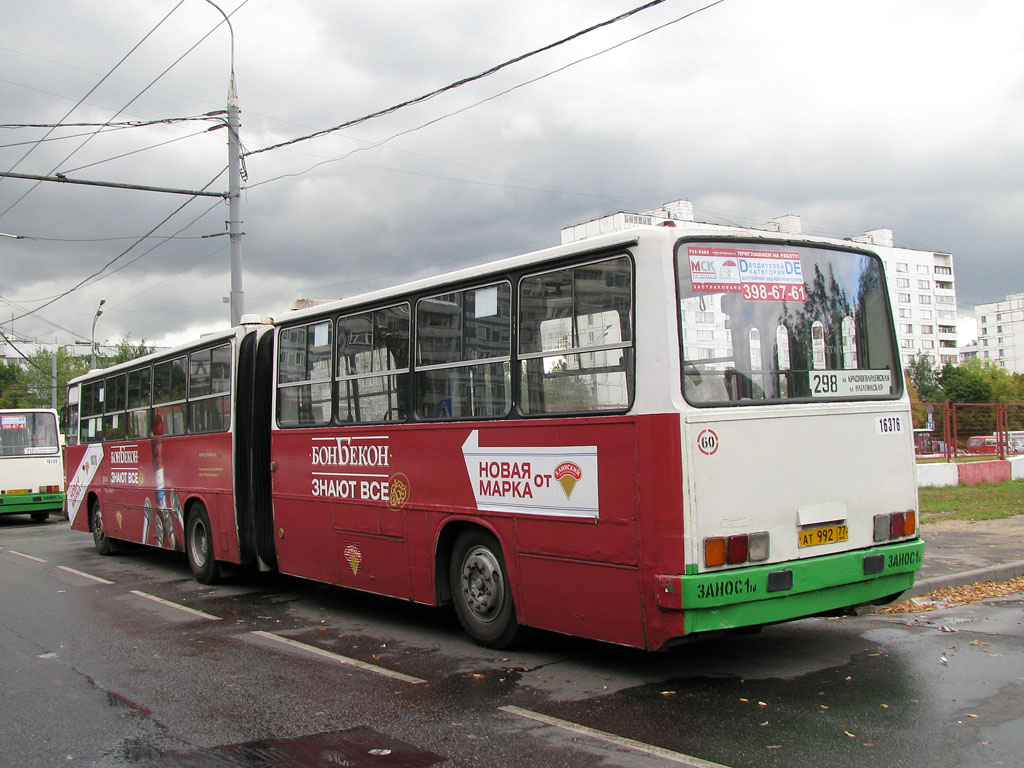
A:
{"points": [[707, 441]]}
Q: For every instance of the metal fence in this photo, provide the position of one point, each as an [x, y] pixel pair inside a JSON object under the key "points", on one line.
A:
{"points": [[952, 430]]}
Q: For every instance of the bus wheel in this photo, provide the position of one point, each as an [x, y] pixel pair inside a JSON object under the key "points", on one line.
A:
{"points": [[199, 545], [481, 592], [103, 545], [40, 517]]}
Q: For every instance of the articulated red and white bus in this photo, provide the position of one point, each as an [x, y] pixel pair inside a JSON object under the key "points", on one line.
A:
{"points": [[636, 438]]}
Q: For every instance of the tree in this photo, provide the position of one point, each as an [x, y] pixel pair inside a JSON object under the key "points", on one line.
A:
{"points": [[13, 390], [125, 351], [35, 385], [1006, 387], [38, 376], [965, 383], [925, 379]]}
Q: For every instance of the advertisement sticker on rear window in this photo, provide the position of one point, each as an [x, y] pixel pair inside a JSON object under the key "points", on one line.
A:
{"points": [[758, 275]]}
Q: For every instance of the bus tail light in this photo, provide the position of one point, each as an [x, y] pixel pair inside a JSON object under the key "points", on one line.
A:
{"points": [[736, 549], [895, 525], [714, 551]]}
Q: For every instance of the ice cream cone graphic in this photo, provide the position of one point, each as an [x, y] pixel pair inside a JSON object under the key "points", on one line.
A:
{"points": [[354, 557], [568, 473]]}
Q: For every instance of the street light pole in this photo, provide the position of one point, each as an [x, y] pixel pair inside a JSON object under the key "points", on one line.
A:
{"points": [[235, 204], [99, 311], [234, 186]]}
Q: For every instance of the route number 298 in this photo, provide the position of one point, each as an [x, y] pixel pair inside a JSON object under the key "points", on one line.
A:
{"points": [[825, 383]]}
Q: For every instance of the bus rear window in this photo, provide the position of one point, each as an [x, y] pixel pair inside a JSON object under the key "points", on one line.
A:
{"points": [[770, 322], [28, 434]]}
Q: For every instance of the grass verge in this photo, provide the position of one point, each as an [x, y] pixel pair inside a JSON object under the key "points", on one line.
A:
{"points": [[990, 501]]}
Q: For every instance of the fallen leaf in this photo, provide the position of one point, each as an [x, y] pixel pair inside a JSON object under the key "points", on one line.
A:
{"points": [[951, 595], [851, 735]]}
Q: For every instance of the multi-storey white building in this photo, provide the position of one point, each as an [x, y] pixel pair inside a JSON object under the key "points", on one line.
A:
{"points": [[1001, 332], [921, 283], [923, 293]]}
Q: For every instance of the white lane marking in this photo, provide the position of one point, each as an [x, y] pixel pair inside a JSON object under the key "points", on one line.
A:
{"points": [[180, 607], [83, 574], [312, 649], [650, 749], [27, 557]]}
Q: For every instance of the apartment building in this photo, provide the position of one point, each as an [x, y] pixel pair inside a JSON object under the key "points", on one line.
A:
{"points": [[1001, 333]]}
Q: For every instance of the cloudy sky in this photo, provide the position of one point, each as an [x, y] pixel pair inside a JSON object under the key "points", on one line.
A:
{"points": [[854, 114]]}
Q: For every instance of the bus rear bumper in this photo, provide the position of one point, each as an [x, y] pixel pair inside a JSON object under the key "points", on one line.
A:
{"points": [[799, 588], [26, 503]]}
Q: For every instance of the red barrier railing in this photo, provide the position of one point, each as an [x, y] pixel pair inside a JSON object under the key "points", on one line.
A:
{"points": [[953, 430]]}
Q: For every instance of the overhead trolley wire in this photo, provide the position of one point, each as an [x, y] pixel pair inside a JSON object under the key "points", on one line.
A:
{"points": [[394, 136], [125, 252], [457, 83], [79, 103], [120, 256]]}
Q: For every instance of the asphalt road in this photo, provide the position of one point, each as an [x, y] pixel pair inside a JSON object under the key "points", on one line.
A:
{"points": [[126, 661]]}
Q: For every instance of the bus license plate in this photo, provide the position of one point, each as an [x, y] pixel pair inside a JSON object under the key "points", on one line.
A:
{"points": [[825, 534]]}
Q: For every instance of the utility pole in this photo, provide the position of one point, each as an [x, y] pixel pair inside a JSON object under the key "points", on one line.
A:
{"points": [[234, 186], [53, 375], [235, 205]]}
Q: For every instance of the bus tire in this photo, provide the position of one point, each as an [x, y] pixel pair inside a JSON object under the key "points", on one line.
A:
{"points": [[481, 591], [40, 517], [199, 546], [104, 546]]}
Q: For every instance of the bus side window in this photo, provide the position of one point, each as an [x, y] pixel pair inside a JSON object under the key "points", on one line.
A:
{"points": [[373, 365], [304, 375], [69, 416], [91, 425], [114, 418], [169, 383], [140, 388], [576, 338], [209, 390], [463, 348]]}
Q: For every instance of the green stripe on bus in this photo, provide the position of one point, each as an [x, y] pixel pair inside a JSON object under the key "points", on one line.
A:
{"points": [[740, 597], [36, 502]]}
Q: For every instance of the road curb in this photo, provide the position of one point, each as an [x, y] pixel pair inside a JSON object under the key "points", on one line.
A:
{"points": [[1003, 572]]}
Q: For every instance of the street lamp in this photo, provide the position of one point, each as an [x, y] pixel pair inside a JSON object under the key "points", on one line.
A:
{"points": [[234, 222], [99, 311]]}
